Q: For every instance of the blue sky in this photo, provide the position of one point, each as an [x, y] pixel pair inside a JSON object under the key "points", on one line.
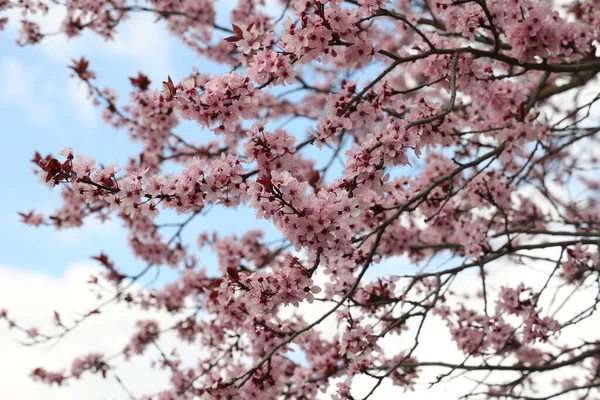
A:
{"points": [[43, 109]]}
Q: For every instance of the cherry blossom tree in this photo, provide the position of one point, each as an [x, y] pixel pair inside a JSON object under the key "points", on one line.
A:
{"points": [[459, 136]]}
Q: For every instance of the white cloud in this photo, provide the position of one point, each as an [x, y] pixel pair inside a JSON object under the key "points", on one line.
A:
{"points": [[436, 344], [146, 42], [81, 102], [31, 299], [35, 92], [19, 87], [139, 39], [58, 47], [91, 230]]}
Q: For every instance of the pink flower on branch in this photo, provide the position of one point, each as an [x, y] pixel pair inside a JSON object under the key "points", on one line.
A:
{"points": [[418, 161]]}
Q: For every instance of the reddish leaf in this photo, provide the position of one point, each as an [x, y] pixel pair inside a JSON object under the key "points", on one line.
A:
{"points": [[232, 39], [237, 30], [239, 34], [168, 86], [233, 273], [81, 68], [141, 82], [314, 178]]}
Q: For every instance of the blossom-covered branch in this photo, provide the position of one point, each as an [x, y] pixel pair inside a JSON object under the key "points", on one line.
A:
{"points": [[458, 136]]}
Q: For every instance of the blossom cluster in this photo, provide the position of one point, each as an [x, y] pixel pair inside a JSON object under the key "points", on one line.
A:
{"points": [[396, 147]]}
